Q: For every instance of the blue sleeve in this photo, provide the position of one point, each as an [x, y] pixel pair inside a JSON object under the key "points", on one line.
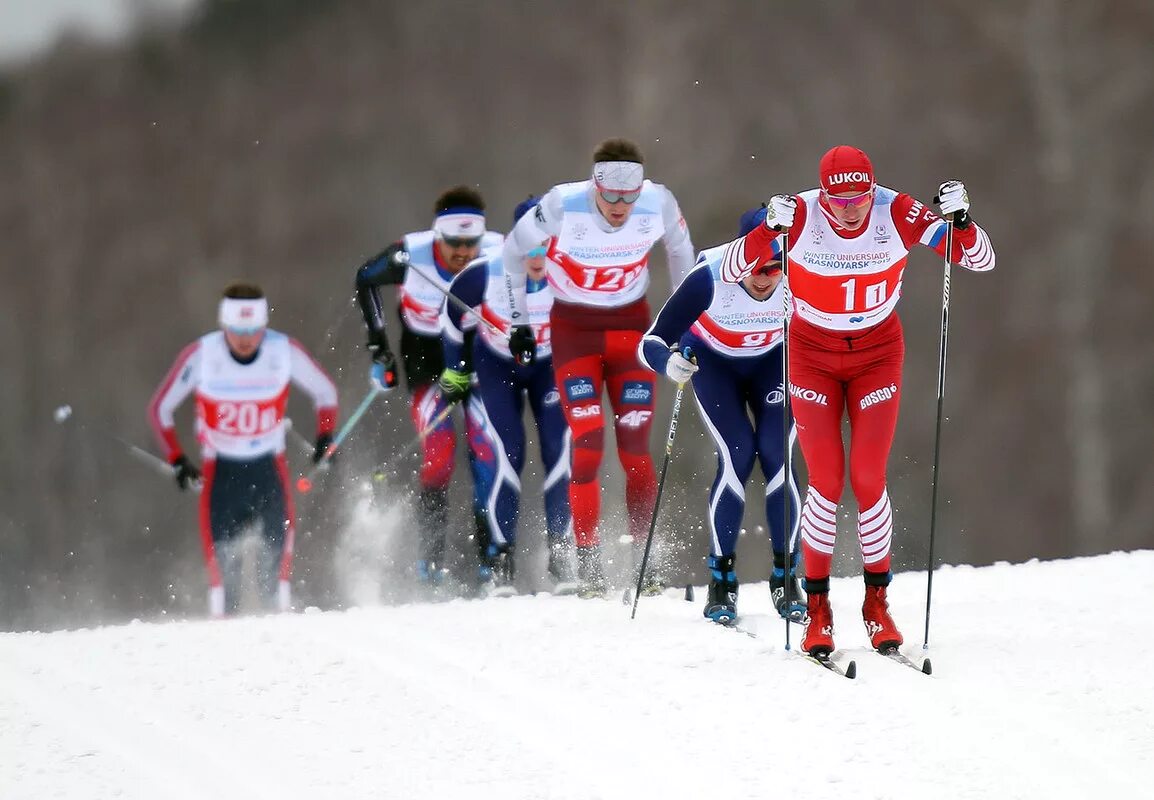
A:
{"points": [[468, 286], [387, 267], [688, 301]]}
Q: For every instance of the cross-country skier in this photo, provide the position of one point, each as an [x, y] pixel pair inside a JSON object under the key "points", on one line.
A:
{"points": [[848, 243], [505, 386], [601, 231], [241, 375], [422, 264], [734, 331]]}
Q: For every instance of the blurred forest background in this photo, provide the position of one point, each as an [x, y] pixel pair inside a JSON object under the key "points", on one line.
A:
{"points": [[285, 141]]}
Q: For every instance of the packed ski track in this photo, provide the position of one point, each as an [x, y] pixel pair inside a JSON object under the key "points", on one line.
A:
{"points": [[1039, 691]]}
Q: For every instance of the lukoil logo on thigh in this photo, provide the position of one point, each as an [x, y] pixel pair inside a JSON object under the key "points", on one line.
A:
{"points": [[578, 389]]}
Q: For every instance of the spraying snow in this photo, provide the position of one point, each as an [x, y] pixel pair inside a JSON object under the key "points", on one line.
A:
{"points": [[1037, 692]]}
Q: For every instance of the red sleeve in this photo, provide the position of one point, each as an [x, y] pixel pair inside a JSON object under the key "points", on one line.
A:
{"points": [[916, 223], [757, 247], [177, 385]]}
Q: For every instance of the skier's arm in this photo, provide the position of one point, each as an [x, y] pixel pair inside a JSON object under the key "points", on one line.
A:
{"points": [[468, 286], [678, 246], [308, 376], [542, 223], [387, 267], [688, 301], [756, 248], [918, 224], [177, 385]]}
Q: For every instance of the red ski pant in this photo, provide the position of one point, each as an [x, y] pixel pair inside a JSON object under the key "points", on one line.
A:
{"points": [[588, 357], [832, 376]]}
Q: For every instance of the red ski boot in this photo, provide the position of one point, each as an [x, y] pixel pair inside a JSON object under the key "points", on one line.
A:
{"points": [[819, 624], [878, 623]]}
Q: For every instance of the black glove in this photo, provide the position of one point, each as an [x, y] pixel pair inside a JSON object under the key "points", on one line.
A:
{"points": [[523, 344], [384, 371], [187, 474], [324, 440]]}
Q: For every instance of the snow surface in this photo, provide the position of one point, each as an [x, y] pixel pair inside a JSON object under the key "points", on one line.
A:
{"points": [[1040, 691]]}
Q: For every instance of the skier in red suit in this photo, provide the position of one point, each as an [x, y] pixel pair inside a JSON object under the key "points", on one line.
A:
{"points": [[848, 244]]}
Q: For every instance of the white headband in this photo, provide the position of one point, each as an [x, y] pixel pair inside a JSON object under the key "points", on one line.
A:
{"points": [[464, 225], [619, 175], [243, 314]]}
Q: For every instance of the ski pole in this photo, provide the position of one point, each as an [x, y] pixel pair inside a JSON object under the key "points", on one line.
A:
{"points": [[305, 482], [380, 472], [938, 423], [460, 304], [151, 460], [688, 354], [786, 409]]}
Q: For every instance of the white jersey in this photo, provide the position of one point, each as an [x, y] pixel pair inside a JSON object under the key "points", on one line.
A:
{"points": [[496, 310], [590, 262], [423, 290], [240, 407], [847, 284], [736, 324]]}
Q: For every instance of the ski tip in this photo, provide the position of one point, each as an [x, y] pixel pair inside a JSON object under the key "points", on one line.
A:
{"points": [[627, 597], [851, 670], [689, 592], [927, 667]]}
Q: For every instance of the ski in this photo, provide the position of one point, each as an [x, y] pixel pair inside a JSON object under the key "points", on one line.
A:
{"points": [[825, 660], [893, 654]]}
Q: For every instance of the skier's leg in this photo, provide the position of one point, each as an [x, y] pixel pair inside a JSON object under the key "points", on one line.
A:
{"points": [[500, 427], [278, 532], [225, 510], [631, 392], [766, 401], [873, 397], [553, 434], [721, 399], [438, 453]]}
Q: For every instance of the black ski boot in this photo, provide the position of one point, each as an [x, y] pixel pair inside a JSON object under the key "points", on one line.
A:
{"points": [[432, 514], [591, 581], [779, 582], [503, 570], [721, 606], [561, 567]]}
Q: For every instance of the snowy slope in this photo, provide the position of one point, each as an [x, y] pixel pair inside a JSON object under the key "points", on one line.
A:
{"points": [[563, 698]]}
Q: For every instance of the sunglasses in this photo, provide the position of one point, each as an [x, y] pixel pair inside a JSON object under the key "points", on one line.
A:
{"points": [[768, 269], [856, 201], [457, 242], [244, 331], [613, 196]]}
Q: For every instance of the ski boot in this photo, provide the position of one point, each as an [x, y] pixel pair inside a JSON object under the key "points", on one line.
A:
{"points": [[433, 516], [875, 611], [591, 581], [654, 582], [561, 567], [794, 611], [721, 606], [500, 558], [818, 638]]}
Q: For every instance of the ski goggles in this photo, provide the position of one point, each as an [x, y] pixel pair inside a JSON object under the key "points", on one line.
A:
{"points": [[237, 330], [458, 242], [614, 196], [768, 268], [855, 201]]}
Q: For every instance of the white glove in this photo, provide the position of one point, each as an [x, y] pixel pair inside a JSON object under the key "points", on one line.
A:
{"points": [[779, 212], [679, 368], [952, 198]]}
